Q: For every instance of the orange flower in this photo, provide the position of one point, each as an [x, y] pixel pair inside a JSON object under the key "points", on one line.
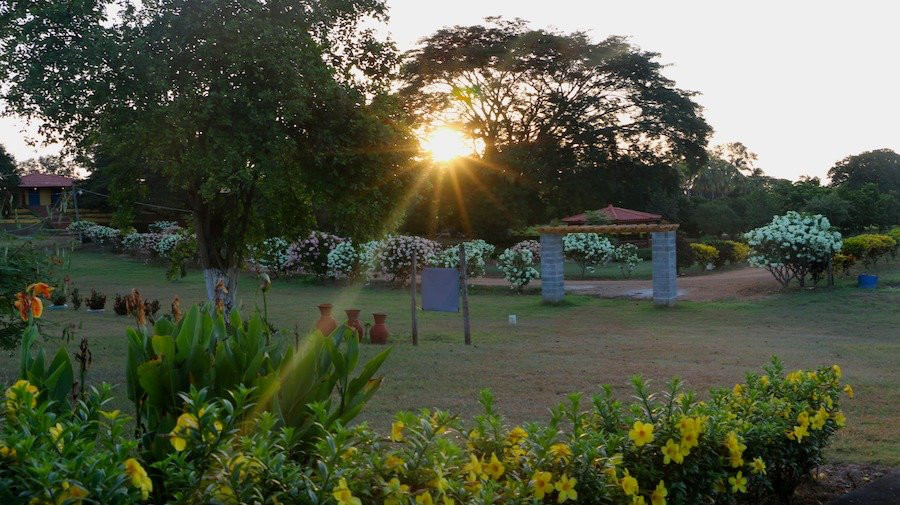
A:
{"points": [[40, 288], [28, 304]]}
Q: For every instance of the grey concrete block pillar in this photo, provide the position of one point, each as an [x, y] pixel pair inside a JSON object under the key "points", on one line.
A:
{"points": [[665, 270], [552, 286]]}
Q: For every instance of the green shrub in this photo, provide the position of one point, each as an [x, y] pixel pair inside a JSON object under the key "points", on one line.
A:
{"points": [[730, 251], [684, 253], [869, 247], [844, 262], [705, 254]]}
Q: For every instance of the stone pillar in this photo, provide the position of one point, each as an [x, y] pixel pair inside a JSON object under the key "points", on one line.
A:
{"points": [[665, 270], [552, 286]]}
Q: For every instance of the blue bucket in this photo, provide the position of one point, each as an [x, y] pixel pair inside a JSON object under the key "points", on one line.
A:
{"points": [[867, 281]]}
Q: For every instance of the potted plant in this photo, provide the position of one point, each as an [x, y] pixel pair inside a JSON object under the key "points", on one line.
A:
{"points": [[58, 299], [76, 299], [96, 302]]}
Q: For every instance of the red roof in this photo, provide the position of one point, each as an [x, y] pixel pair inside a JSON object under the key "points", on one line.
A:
{"points": [[44, 181], [618, 216]]}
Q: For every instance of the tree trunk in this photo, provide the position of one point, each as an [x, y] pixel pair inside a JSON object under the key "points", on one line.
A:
{"points": [[229, 277]]}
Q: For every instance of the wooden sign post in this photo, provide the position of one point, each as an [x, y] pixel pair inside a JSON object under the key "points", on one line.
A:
{"points": [[465, 293], [412, 290]]}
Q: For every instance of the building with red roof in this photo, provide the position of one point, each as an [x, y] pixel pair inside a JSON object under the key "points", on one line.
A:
{"points": [[617, 215], [40, 190]]}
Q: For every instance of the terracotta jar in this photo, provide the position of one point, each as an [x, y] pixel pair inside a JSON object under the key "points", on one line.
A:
{"points": [[353, 322], [326, 323], [379, 332]]}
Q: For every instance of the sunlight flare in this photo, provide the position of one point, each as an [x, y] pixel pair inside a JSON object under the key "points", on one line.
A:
{"points": [[445, 144]]}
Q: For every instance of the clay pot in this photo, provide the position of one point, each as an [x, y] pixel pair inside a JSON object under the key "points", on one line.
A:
{"points": [[379, 332], [326, 323], [353, 322]]}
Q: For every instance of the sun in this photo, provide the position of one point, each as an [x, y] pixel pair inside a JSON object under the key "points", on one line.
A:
{"points": [[445, 143]]}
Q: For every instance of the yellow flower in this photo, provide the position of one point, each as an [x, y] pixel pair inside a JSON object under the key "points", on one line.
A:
{"points": [[659, 494], [187, 421], [348, 453], [395, 491], [759, 466], [849, 391], [738, 390], [110, 415], [17, 393], [818, 420], [689, 439], [55, 432], [561, 452], [138, 477], [610, 472], [343, 495], [732, 442], [672, 452], [447, 500], [839, 419], [516, 435], [803, 418], [738, 483], [392, 462], [629, 484], [543, 484], [795, 377], [424, 498], [638, 500], [764, 381], [799, 432], [494, 468], [397, 431], [565, 486], [7, 452], [736, 460], [641, 433], [439, 483], [837, 371], [473, 467], [71, 494]]}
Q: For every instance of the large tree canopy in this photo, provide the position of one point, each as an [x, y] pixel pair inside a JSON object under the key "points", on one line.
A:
{"points": [[9, 181], [880, 167], [565, 121], [247, 108]]}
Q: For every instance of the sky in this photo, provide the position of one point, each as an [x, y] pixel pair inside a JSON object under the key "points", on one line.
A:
{"points": [[803, 84]]}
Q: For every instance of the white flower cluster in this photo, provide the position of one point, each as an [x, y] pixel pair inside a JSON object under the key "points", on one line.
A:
{"points": [[80, 226], [310, 255], [101, 235], [271, 256], [477, 253], [394, 254], [347, 261], [141, 243], [166, 227], [517, 266], [168, 241], [531, 245], [627, 256], [791, 243], [589, 250]]}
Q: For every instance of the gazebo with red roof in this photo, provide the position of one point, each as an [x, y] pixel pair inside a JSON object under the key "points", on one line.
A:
{"points": [[617, 215], [40, 190]]}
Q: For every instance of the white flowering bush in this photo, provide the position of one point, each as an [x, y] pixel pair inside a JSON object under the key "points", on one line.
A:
{"points": [[791, 244], [80, 227], [394, 255], [165, 227], [310, 255], [589, 250], [103, 235], [518, 268], [347, 261], [627, 256], [141, 243], [477, 253], [168, 241], [271, 256], [531, 245]]}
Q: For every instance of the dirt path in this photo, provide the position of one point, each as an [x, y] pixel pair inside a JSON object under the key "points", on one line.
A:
{"points": [[738, 283]]}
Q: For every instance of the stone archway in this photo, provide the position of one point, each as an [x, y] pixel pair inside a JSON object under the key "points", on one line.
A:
{"points": [[662, 239]]}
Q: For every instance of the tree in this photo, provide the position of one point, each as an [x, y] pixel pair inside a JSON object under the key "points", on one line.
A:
{"points": [[49, 164], [9, 181], [256, 113], [567, 123], [880, 167]]}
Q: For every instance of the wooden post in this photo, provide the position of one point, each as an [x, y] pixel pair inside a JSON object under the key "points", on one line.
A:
{"points": [[831, 270], [412, 292], [465, 293]]}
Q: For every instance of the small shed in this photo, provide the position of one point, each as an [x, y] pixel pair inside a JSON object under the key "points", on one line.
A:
{"points": [[40, 190], [617, 215]]}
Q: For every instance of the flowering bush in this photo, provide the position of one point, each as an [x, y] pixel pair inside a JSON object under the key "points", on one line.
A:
{"points": [[589, 250], [394, 255], [79, 227], [141, 243], [730, 251], [477, 252], [869, 247], [348, 261], [271, 256], [164, 227], [532, 245], [102, 235], [310, 255], [517, 266], [704, 254], [791, 243], [627, 256]]}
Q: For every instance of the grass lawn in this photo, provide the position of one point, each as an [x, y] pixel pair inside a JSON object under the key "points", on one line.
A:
{"points": [[557, 350]]}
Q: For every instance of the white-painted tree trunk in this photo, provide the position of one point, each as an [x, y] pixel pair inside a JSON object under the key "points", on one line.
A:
{"points": [[212, 276]]}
